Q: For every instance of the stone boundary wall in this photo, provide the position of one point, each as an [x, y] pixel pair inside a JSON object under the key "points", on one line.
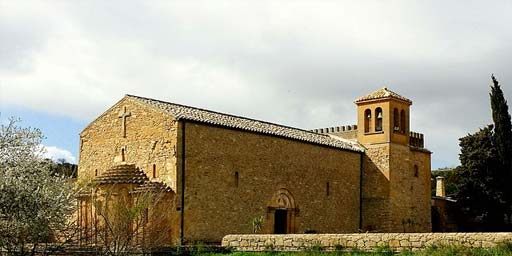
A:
{"points": [[365, 242]]}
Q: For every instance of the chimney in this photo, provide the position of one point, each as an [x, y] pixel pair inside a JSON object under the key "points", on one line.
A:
{"points": [[440, 190]]}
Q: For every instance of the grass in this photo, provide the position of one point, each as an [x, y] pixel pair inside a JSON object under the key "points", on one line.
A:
{"points": [[504, 249], [501, 250]]}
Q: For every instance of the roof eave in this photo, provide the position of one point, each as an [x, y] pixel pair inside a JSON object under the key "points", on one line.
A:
{"points": [[363, 101], [354, 148]]}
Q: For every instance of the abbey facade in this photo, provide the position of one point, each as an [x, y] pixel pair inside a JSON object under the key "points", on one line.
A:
{"points": [[216, 174]]}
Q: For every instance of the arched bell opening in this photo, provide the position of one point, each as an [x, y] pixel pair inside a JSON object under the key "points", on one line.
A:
{"points": [[402, 121], [396, 121], [367, 120], [378, 119]]}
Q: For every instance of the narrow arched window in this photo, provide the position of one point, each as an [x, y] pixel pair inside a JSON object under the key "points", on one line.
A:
{"points": [[367, 120], [154, 170], [123, 158], [327, 189], [236, 179], [402, 121], [396, 120], [416, 171], [146, 216], [378, 119], [96, 172]]}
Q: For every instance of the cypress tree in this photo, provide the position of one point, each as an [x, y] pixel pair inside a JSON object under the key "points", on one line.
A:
{"points": [[503, 142]]}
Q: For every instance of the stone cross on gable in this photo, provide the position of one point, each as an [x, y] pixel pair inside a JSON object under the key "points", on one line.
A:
{"points": [[123, 114]]}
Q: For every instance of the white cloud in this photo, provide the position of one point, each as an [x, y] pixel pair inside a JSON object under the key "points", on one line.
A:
{"points": [[56, 153], [299, 63]]}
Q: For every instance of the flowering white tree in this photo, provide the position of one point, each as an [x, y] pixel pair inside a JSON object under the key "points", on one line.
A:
{"points": [[36, 204]]}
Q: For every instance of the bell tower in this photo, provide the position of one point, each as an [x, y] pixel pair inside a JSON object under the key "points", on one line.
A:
{"points": [[383, 117], [396, 167]]}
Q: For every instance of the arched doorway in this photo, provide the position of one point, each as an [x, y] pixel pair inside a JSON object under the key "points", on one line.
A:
{"points": [[282, 212]]}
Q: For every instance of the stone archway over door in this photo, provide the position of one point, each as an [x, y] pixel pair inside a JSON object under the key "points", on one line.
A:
{"points": [[282, 213]]}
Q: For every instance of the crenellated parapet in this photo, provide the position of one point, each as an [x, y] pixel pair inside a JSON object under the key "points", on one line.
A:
{"points": [[336, 129], [416, 140]]}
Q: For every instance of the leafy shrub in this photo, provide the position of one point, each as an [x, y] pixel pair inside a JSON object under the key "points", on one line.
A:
{"points": [[384, 250], [339, 248]]}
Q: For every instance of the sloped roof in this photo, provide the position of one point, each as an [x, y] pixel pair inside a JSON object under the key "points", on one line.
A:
{"points": [[381, 94], [152, 187], [122, 174], [182, 112], [84, 193]]}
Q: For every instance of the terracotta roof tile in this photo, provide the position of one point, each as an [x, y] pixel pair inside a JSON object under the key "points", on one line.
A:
{"points": [[84, 193], [152, 187], [123, 173], [182, 112], [381, 94]]}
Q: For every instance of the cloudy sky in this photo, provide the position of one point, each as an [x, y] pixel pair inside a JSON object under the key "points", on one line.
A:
{"points": [[298, 63]]}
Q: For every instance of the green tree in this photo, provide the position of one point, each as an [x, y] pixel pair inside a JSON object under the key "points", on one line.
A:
{"points": [[62, 168], [503, 142], [35, 204], [479, 195]]}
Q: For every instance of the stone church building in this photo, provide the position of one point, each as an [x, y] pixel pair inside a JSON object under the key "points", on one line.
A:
{"points": [[219, 172]]}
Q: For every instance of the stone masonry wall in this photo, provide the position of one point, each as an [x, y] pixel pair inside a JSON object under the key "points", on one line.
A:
{"points": [[150, 140], [376, 189], [409, 190], [233, 176], [396, 198], [366, 242]]}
